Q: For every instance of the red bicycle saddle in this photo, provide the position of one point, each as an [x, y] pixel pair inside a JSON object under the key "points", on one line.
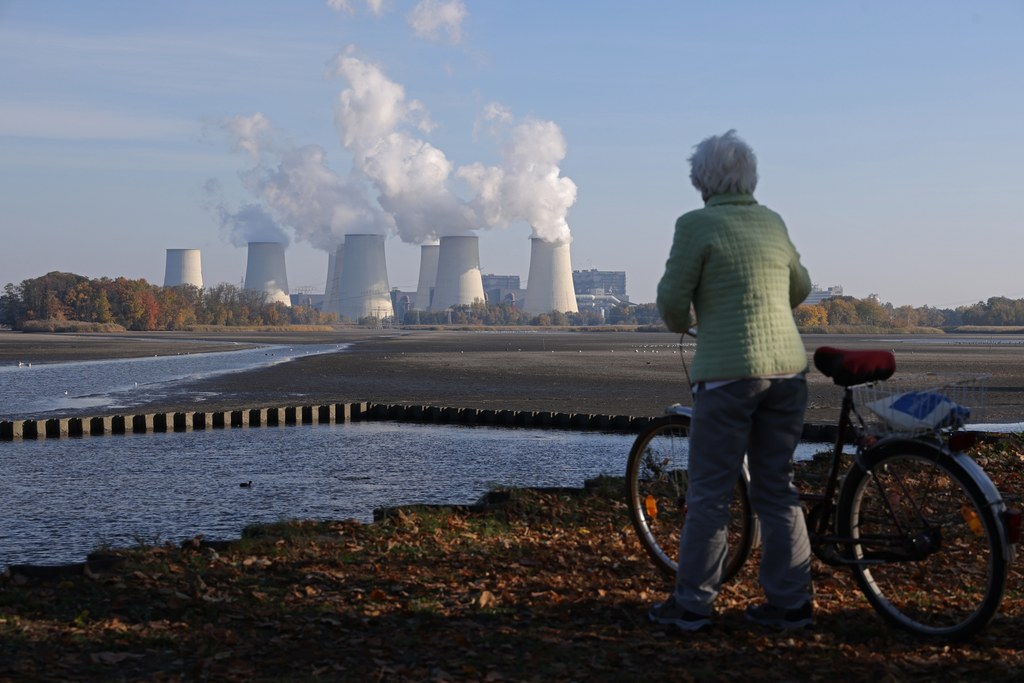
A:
{"points": [[847, 368]]}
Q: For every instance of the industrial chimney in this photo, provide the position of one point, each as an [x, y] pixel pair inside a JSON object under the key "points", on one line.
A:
{"points": [[364, 279], [458, 273], [332, 290], [428, 276], [549, 286], [265, 271], [183, 268]]}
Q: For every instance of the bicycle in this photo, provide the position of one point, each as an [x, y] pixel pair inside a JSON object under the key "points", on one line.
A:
{"points": [[918, 522]]}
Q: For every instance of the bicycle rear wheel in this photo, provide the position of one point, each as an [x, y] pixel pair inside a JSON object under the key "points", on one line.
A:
{"points": [[656, 485], [927, 551]]}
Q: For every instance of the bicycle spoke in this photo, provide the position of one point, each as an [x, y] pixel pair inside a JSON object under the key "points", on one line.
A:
{"points": [[927, 551], [657, 483]]}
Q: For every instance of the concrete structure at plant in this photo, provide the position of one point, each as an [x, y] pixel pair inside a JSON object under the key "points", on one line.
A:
{"points": [[265, 271], [549, 286], [363, 283], [429, 254], [459, 279], [184, 267]]}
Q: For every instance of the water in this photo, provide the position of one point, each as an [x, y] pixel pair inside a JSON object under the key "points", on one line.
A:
{"points": [[61, 499], [64, 499], [42, 390]]}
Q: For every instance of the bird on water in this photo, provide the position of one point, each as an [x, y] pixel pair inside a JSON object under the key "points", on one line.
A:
{"points": [[246, 484]]}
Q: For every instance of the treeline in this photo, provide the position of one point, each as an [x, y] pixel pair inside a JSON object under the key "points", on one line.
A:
{"points": [[138, 305], [846, 311], [482, 314]]}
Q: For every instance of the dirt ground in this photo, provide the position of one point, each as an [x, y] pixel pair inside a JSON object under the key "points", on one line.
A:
{"points": [[612, 373]]}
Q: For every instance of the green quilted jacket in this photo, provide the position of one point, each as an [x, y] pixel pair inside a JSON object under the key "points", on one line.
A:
{"points": [[734, 262]]}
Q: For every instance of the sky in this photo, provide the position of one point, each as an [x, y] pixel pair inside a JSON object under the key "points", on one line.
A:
{"points": [[888, 134]]}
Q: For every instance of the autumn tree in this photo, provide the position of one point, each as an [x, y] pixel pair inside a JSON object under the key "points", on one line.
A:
{"points": [[841, 311], [811, 316]]}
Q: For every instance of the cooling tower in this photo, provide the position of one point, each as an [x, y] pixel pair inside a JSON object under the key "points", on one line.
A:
{"points": [[265, 271], [332, 290], [549, 286], [183, 268], [428, 275], [364, 279], [458, 273]]}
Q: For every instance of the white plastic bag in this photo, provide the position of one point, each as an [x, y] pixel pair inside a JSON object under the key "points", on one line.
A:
{"points": [[919, 410]]}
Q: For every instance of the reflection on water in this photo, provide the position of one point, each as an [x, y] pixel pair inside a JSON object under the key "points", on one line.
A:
{"points": [[36, 391], [64, 498]]}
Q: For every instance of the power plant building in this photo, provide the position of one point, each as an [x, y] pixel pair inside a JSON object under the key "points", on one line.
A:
{"points": [[332, 288], [600, 290], [459, 280], [183, 267], [363, 283], [429, 254], [549, 286], [818, 294], [265, 271], [612, 282], [503, 289]]}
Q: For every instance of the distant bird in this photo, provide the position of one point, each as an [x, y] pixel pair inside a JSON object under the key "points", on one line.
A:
{"points": [[246, 484]]}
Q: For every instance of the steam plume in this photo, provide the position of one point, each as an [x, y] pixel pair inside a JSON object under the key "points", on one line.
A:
{"points": [[376, 123], [250, 223], [412, 177], [300, 189], [529, 185]]}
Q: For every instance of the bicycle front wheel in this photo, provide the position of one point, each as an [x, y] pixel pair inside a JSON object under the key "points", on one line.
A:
{"points": [[656, 487], [927, 549]]}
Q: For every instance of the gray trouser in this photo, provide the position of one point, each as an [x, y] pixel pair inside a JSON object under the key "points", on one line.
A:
{"points": [[762, 418]]}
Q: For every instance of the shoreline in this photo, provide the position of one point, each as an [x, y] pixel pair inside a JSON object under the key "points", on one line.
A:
{"points": [[602, 373]]}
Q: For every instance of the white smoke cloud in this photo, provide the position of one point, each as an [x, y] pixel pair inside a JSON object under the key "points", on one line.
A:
{"points": [[250, 134], [413, 178], [250, 223], [310, 198], [414, 181], [376, 7], [529, 185], [431, 19], [373, 106], [298, 190]]}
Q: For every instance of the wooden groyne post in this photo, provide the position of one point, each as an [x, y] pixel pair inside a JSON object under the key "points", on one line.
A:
{"points": [[334, 413]]}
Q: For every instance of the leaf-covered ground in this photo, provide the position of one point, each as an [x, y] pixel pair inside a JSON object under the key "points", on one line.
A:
{"points": [[548, 586]]}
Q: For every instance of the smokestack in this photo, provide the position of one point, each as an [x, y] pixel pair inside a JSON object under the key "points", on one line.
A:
{"points": [[364, 279], [183, 268], [332, 291], [458, 273], [265, 271], [428, 275], [549, 287]]}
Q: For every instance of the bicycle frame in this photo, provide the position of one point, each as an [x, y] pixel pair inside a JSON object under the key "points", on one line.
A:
{"points": [[822, 523]]}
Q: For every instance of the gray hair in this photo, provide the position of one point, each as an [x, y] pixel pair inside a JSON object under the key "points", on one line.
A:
{"points": [[723, 164]]}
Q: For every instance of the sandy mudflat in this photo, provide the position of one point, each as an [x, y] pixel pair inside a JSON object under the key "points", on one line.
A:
{"points": [[614, 373]]}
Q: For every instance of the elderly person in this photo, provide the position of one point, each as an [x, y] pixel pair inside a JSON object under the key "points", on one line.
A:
{"points": [[734, 263]]}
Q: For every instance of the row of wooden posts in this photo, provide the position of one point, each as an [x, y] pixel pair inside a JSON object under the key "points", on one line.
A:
{"points": [[336, 413]]}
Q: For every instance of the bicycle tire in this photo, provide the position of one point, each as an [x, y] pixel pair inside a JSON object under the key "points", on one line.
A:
{"points": [[928, 550], [656, 493]]}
